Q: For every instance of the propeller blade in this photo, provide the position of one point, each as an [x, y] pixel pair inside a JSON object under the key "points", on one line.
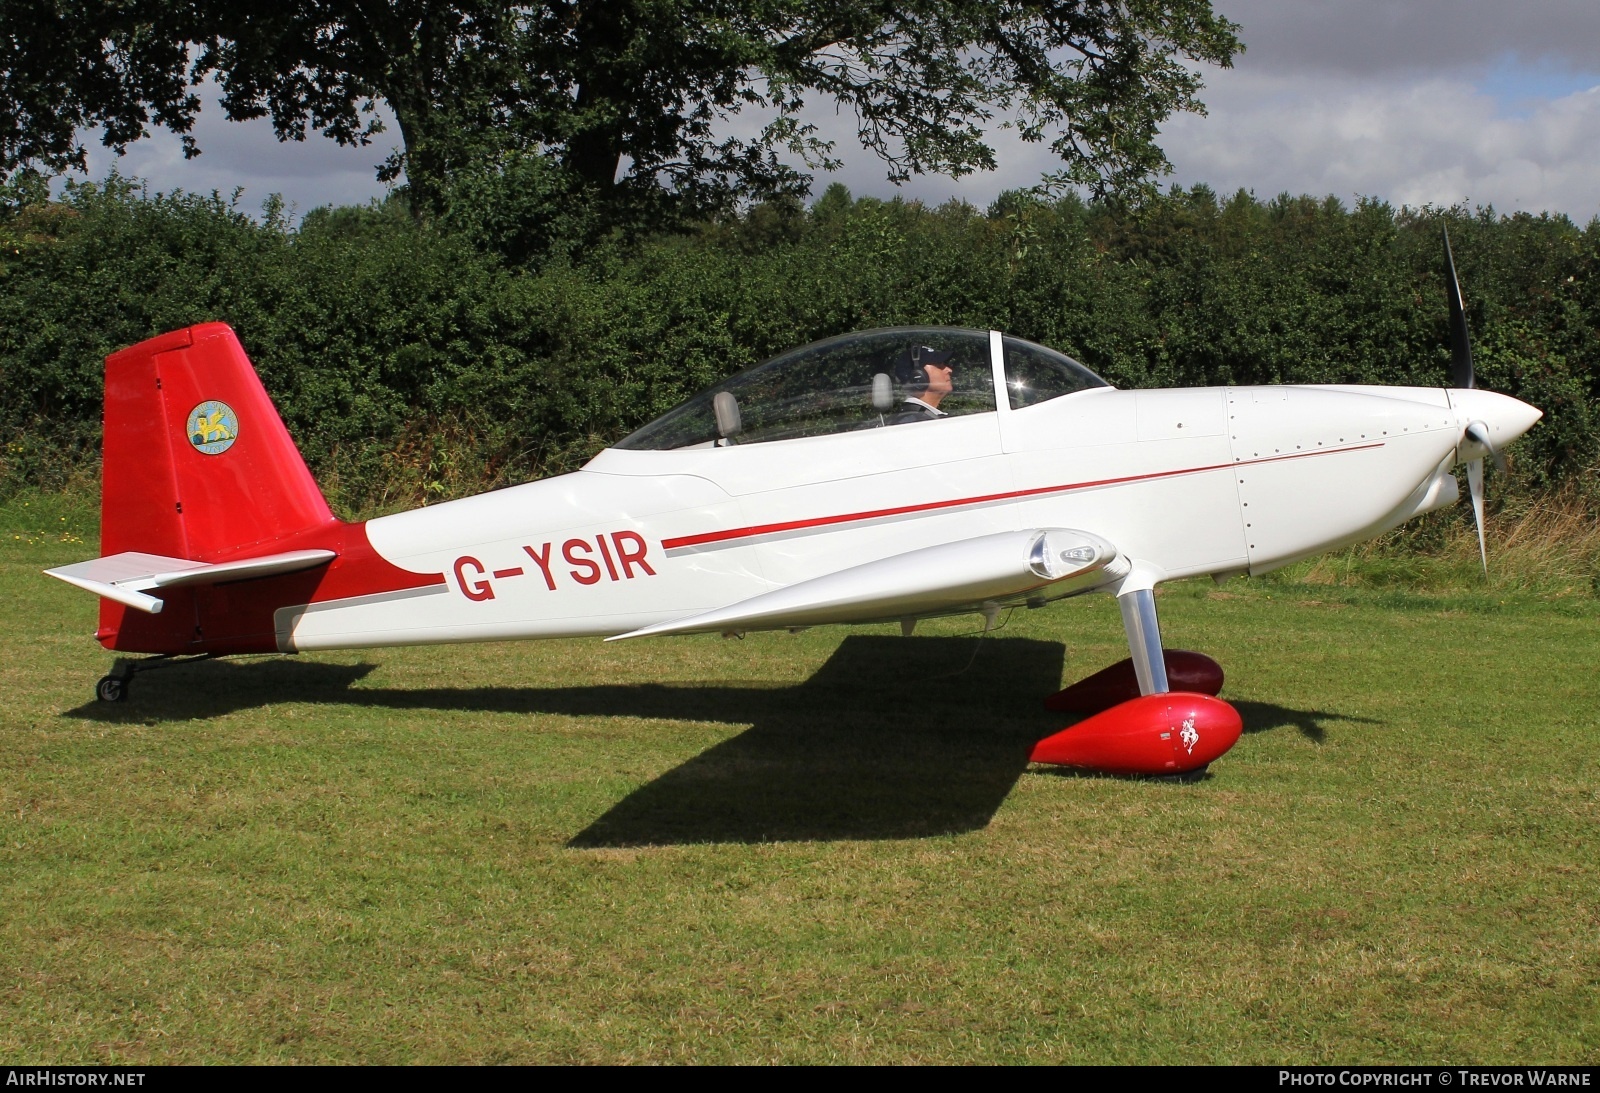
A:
{"points": [[1478, 433], [1475, 483], [1460, 343]]}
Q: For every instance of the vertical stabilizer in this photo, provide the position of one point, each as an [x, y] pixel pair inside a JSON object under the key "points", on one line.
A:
{"points": [[197, 466], [211, 524], [197, 462]]}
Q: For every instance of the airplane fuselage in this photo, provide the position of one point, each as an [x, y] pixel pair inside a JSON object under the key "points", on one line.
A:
{"points": [[1183, 482]]}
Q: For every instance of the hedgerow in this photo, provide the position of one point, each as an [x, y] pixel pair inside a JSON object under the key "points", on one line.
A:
{"points": [[415, 359]]}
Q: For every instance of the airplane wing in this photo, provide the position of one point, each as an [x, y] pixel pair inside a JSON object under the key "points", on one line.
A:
{"points": [[128, 577], [937, 579]]}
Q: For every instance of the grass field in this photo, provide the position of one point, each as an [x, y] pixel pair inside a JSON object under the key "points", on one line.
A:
{"points": [[813, 848]]}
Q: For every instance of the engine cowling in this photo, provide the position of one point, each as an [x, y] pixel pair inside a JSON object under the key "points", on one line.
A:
{"points": [[1171, 733]]}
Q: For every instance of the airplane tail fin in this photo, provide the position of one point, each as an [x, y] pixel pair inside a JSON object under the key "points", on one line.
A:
{"points": [[211, 524], [197, 463]]}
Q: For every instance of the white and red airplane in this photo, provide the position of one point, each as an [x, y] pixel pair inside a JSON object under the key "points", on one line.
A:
{"points": [[878, 476]]}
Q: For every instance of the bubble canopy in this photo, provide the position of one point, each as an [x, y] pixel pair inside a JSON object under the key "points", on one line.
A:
{"points": [[871, 379]]}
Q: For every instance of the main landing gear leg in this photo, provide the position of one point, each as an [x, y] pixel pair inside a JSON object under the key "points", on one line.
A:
{"points": [[1158, 731], [1144, 640], [114, 687], [1149, 670]]}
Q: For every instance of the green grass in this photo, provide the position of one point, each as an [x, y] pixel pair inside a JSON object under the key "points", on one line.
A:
{"points": [[823, 847]]}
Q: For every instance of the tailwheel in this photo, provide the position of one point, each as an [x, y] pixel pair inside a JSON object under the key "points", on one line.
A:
{"points": [[114, 687]]}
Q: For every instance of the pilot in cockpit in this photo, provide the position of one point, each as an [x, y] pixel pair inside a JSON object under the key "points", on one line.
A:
{"points": [[927, 376]]}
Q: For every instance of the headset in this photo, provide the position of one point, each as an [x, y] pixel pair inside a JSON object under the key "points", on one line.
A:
{"points": [[908, 366]]}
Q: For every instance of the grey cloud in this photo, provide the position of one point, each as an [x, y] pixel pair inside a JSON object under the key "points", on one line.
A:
{"points": [[307, 173], [1372, 36], [1409, 142], [1355, 97]]}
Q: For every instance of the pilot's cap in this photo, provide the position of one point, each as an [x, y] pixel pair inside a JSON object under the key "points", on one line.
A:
{"points": [[908, 366]]}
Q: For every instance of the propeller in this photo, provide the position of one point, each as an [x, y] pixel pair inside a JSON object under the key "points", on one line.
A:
{"points": [[1460, 344], [1461, 377], [1475, 484], [1478, 433]]}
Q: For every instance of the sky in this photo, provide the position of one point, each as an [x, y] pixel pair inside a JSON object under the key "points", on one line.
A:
{"points": [[1419, 102]]}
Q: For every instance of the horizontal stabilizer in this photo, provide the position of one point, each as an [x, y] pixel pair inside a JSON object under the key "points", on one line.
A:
{"points": [[921, 582], [127, 577]]}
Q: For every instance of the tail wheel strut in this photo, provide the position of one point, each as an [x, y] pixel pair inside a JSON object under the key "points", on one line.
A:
{"points": [[114, 687]]}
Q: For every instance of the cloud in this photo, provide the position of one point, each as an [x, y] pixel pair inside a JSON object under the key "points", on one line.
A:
{"points": [[1408, 141], [1294, 37], [1427, 101], [1431, 140], [308, 173], [1432, 101]]}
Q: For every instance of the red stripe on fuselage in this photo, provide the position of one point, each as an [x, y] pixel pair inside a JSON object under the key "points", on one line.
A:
{"points": [[710, 537]]}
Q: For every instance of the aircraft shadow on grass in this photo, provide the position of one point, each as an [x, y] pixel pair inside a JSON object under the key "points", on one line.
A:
{"points": [[1266, 716], [891, 738]]}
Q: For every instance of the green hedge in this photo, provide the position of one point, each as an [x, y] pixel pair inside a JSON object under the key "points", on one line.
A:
{"points": [[408, 356]]}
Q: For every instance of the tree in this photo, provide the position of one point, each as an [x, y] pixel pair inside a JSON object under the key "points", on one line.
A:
{"points": [[308, 64], [630, 98]]}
